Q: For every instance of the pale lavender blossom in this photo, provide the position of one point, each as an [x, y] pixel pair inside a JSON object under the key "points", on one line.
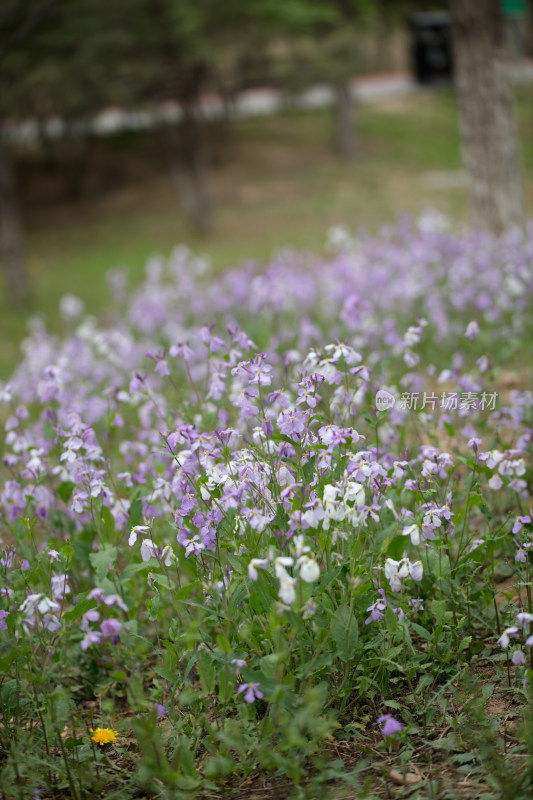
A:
{"points": [[389, 725], [252, 692], [472, 330]]}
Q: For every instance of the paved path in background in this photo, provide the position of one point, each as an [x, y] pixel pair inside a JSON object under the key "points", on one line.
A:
{"points": [[249, 103]]}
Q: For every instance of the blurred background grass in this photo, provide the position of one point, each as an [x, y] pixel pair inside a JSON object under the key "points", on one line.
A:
{"points": [[275, 182]]}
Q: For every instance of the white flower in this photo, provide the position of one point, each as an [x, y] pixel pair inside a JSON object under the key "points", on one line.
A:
{"points": [[299, 547], [395, 571], [505, 638], [340, 350], [411, 359], [416, 570], [519, 466], [287, 592], [309, 569], [281, 562], [390, 505], [30, 603], [38, 601], [333, 508], [252, 567], [495, 482], [330, 493], [493, 458], [135, 531], [355, 491], [147, 549], [414, 532]]}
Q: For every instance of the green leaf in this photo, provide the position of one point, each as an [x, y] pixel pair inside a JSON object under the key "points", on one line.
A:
{"points": [[65, 490], [326, 579], [439, 609], [392, 704], [136, 511], [103, 560], [10, 696], [183, 593], [425, 681], [236, 563], [281, 518], [308, 469], [206, 671], [345, 633], [223, 643], [421, 631], [166, 673], [83, 604], [6, 661], [60, 706], [108, 523], [396, 547]]}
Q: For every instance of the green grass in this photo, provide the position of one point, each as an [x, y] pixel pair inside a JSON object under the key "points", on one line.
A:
{"points": [[277, 183]]}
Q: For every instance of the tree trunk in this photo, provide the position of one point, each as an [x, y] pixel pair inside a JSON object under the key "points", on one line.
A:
{"points": [[12, 251], [489, 139], [192, 173], [344, 128]]}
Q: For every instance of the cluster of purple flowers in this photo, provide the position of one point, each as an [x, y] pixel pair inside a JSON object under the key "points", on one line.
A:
{"points": [[218, 438]]}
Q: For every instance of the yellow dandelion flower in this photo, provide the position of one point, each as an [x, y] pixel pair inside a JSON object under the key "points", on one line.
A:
{"points": [[103, 736]]}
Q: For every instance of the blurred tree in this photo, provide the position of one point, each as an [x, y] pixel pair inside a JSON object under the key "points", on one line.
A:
{"points": [[12, 249], [486, 115], [325, 50], [17, 22], [56, 64], [180, 49]]}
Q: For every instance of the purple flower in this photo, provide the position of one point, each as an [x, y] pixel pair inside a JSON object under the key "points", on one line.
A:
{"points": [[292, 423], [521, 552], [110, 629], [517, 527], [389, 725], [160, 709], [90, 638], [518, 658], [260, 372], [161, 365], [472, 330], [252, 692], [377, 609]]}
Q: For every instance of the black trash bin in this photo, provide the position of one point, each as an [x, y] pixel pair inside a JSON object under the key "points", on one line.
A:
{"points": [[431, 47]]}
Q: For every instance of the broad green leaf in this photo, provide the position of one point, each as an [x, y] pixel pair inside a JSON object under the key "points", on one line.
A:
{"points": [[136, 511], [345, 633], [103, 560], [206, 671], [83, 604], [223, 643], [439, 609]]}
